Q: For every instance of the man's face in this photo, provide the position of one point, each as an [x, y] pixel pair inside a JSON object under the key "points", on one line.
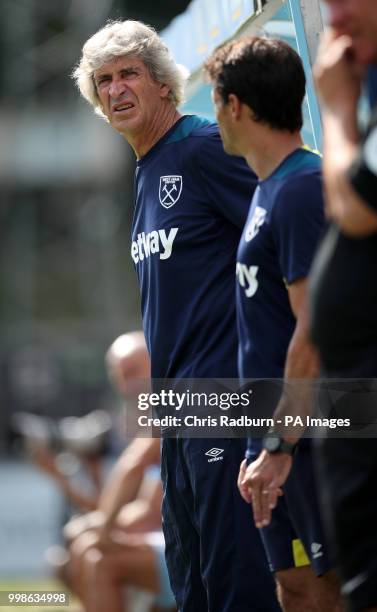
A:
{"points": [[128, 95], [226, 125], [358, 20]]}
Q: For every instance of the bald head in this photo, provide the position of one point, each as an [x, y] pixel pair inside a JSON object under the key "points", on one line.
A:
{"points": [[127, 361]]}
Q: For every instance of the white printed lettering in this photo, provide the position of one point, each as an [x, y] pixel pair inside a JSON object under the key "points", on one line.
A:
{"points": [[247, 277], [167, 241], [160, 241]]}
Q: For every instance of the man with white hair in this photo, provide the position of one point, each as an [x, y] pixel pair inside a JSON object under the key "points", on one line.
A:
{"points": [[191, 203]]}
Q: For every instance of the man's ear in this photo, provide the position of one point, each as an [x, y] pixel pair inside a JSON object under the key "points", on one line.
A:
{"points": [[235, 106], [164, 90]]}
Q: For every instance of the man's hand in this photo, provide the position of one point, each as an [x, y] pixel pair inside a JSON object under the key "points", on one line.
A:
{"points": [[92, 528], [242, 486], [337, 77], [262, 482], [90, 521], [106, 536]]}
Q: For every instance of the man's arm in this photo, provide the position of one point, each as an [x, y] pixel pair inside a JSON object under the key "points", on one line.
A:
{"points": [[46, 461], [301, 363], [338, 82], [121, 486], [344, 205], [144, 513], [260, 483], [124, 481]]}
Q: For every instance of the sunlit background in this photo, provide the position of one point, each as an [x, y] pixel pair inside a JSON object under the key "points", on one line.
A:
{"points": [[67, 286]]}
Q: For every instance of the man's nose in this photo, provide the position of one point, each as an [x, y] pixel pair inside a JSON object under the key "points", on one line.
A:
{"points": [[117, 88]]}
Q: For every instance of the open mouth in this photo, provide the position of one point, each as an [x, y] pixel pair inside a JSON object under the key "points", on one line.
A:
{"points": [[122, 107]]}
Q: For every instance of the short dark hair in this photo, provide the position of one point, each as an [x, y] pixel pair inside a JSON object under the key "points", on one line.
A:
{"points": [[264, 73]]}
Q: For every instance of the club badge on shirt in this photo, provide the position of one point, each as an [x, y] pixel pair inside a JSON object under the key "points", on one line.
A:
{"points": [[256, 223], [170, 190]]}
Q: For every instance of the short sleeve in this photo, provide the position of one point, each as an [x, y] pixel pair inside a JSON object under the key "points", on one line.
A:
{"points": [[297, 224], [227, 179], [363, 172]]}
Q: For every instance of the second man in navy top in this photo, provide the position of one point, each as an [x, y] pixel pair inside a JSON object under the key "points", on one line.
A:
{"points": [[258, 90]]}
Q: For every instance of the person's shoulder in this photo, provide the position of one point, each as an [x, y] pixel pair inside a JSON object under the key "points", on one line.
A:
{"points": [[299, 193], [302, 172], [203, 127], [309, 164], [194, 137], [207, 133], [201, 149], [302, 162], [193, 129], [300, 183]]}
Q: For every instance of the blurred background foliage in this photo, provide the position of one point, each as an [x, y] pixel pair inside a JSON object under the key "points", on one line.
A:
{"points": [[67, 287]]}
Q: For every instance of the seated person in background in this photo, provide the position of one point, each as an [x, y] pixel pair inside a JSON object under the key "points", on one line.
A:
{"points": [[120, 544]]}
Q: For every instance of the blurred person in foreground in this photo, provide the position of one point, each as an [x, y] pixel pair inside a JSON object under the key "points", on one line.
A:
{"points": [[121, 543], [191, 203], [258, 91], [344, 293]]}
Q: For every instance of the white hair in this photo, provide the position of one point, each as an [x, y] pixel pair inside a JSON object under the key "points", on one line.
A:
{"points": [[128, 38]]}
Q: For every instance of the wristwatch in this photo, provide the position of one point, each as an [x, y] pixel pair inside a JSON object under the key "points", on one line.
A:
{"points": [[274, 443]]}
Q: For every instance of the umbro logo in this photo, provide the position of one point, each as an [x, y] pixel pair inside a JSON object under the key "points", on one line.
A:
{"points": [[316, 550], [214, 453]]}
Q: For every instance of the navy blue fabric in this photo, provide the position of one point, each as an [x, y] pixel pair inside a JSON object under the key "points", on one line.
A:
{"points": [[283, 228], [192, 201], [187, 289], [348, 473], [277, 245], [371, 85], [214, 552], [297, 517]]}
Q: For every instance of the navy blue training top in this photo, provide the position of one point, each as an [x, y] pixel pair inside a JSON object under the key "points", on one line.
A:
{"points": [[284, 224], [192, 201]]}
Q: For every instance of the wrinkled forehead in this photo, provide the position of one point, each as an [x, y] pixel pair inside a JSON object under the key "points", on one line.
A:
{"points": [[121, 62]]}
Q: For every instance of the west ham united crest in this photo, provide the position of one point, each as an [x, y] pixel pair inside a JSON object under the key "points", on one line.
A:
{"points": [[256, 223], [170, 190]]}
